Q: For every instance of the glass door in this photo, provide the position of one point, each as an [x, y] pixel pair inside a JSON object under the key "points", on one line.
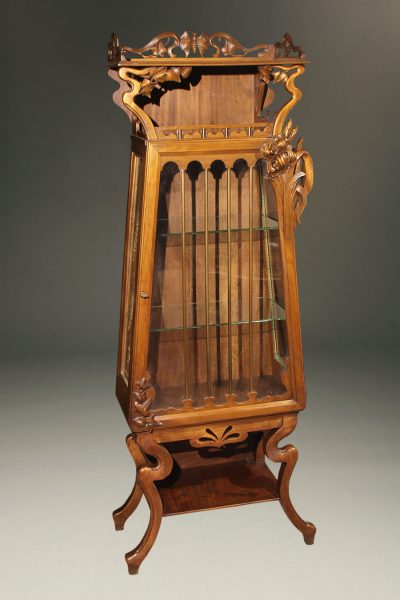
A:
{"points": [[218, 329]]}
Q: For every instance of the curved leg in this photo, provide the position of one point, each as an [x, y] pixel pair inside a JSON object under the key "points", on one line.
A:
{"points": [[147, 475], [287, 455], [121, 514]]}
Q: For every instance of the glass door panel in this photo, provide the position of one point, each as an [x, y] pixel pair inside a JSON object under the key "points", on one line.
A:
{"points": [[217, 316]]}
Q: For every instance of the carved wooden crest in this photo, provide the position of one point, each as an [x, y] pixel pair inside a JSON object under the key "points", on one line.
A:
{"points": [[191, 44]]}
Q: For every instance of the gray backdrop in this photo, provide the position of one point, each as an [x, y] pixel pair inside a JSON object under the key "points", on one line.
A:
{"points": [[66, 155], [63, 462]]}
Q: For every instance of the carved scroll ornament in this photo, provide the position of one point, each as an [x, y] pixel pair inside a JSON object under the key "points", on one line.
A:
{"points": [[142, 399], [290, 171]]}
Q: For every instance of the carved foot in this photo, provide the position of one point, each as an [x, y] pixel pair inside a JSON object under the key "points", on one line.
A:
{"points": [[121, 514], [287, 456], [147, 474], [309, 537]]}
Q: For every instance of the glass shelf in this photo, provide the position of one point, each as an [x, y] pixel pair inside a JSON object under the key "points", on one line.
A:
{"points": [[196, 226], [169, 317]]}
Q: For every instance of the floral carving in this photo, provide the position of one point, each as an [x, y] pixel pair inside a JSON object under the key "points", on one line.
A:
{"points": [[279, 153], [290, 171], [219, 437], [142, 399]]}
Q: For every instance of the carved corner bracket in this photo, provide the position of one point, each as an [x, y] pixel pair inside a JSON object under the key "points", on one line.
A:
{"points": [[142, 399], [142, 81], [145, 79], [290, 171], [286, 75]]}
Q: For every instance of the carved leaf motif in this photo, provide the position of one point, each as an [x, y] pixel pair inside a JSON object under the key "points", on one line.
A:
{"points": [[185, 43], [143, 397], [218, 437], [301, 182], [203, 43], [161, 49], [289, 131]]}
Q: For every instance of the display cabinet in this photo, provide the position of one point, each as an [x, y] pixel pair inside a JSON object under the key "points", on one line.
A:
{"points": [[210, 370]]}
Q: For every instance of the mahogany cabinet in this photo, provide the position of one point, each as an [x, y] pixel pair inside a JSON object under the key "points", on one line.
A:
{"points": [[210, 371]]}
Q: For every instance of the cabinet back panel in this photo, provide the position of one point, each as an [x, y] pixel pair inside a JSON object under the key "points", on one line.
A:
{"points": [[204, 98]]}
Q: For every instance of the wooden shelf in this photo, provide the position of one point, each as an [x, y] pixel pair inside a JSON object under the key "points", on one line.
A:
{"points": [[217, 486], [231, 61]]}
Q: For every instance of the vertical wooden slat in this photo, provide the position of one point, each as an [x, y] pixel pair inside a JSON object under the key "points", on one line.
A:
{"points": [[228, 208], [251, 277], [184, 315], [206, 283]]}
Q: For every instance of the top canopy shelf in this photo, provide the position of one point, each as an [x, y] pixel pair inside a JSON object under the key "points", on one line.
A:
{"points": [[195, 49]]}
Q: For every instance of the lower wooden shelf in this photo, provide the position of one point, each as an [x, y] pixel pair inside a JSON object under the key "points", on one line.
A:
{"points": [[217, 486]]}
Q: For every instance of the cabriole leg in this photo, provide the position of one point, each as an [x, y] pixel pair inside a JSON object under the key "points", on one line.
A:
{"points": [[287, 456], [147, 474], [120, 515]]}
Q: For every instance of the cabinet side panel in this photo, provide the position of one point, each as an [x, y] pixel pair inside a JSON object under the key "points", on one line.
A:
{"points": [[130, 266]]}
